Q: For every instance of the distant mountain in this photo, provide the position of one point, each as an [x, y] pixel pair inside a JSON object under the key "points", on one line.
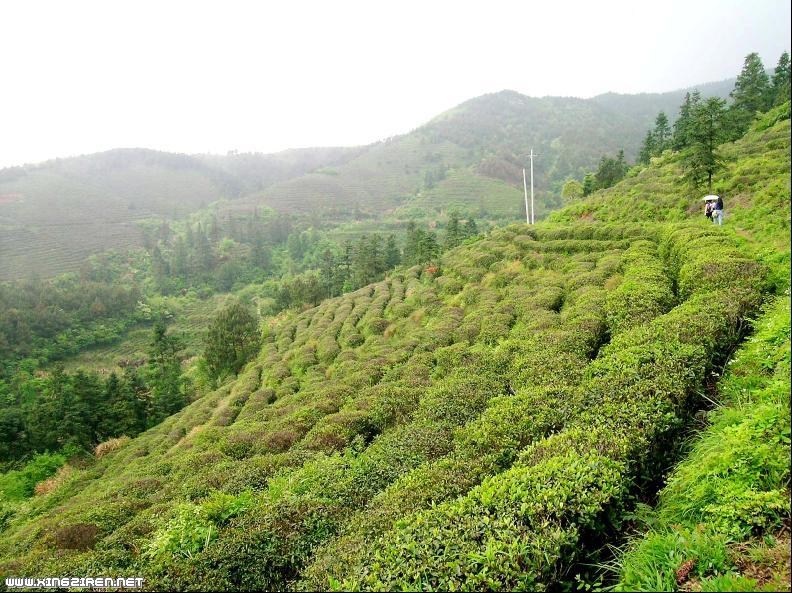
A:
{"points": [[492, 135], [54, 214], [645, 106]]}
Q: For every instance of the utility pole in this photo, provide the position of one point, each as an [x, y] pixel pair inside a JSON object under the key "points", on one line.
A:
{"points": [[525, 190], [532, 192]]}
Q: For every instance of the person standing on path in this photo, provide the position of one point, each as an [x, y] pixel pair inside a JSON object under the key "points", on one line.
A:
{"points": [[717, 212]]}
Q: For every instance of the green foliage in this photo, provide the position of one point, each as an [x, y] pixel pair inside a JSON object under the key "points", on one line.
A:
{"points": [[163, 375], [781, 80], [706, 131], [682, 126], [752, 93], [572, 190], [195, 526], [232, 340], [734, 483], [481, 417], [18, 484], [610, 171]]}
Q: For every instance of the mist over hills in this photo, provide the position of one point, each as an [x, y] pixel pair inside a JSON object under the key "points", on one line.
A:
{"points": [[54, 214]]}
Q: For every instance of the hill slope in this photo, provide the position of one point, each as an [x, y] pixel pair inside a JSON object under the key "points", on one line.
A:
{"points": [[430, 403], [54, 214], [493, 134], [755, 184]]}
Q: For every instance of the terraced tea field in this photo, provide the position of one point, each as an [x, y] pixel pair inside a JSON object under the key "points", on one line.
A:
{"points": [[483, 425], [55, 214], [189, 320]]}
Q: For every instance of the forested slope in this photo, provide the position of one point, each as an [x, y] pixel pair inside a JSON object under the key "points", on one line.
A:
{"points": [[755, 185]]}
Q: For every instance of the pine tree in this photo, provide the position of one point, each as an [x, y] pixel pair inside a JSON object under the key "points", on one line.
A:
{"points": [[427, 247], [751, 93], [453, 233], [125, 413], [204, 257], [781, 80], [661, 134], [708, 129], [647, 148], [471, 228], [681, 135], [163, 376], [159, 268], [179, 262], [589, 184], [377, 257], [411, 245], [328, 273], [392, 253]]}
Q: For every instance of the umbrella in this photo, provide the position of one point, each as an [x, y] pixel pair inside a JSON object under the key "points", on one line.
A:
{"points": [[709, 198]]}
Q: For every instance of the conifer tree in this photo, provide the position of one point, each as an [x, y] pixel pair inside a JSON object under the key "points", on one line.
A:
{"points": [[781, 80], [163, 375], [661, 134], [471, 228], [751, 94], [589, 184], [453, 232], [392, 253], [647, 148], [328, 273], [708, 129], [681, 135]]}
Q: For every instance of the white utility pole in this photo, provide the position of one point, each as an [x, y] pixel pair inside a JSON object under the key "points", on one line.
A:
{"points": [[525, 189], [532, 193]]}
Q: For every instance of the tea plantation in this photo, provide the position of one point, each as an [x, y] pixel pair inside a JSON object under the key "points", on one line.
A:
{"points": [[545, 407]]}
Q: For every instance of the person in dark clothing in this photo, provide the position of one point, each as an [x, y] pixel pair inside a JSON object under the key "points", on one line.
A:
{"points": [[717, 211]]}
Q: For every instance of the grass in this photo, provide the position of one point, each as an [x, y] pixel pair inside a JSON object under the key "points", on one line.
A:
{"points": [[725, 504]]}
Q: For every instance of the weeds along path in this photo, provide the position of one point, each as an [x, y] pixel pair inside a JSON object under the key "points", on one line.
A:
{"points": [[461, 427]]}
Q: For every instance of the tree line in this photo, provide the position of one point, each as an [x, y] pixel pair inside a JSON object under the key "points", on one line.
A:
{"points": [[704, 124], [366, 260], [49, 411]]}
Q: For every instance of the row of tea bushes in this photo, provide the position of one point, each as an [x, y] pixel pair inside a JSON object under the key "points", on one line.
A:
{"points": [[525, 527]]}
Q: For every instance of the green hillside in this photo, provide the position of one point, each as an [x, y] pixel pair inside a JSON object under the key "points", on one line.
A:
{"points": [[55, 214], [492, 133], [394, 404], [755, 184], [471, 195], [598, 401]]}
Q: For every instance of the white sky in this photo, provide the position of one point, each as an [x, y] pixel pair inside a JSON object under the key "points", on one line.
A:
{"points": [[82, 76]]}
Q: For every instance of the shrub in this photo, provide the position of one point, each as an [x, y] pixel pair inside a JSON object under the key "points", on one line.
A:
{"points": [[20, 484]]}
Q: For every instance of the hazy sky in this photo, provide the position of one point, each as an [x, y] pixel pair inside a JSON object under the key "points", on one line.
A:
{"points": [[81, 76]]}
